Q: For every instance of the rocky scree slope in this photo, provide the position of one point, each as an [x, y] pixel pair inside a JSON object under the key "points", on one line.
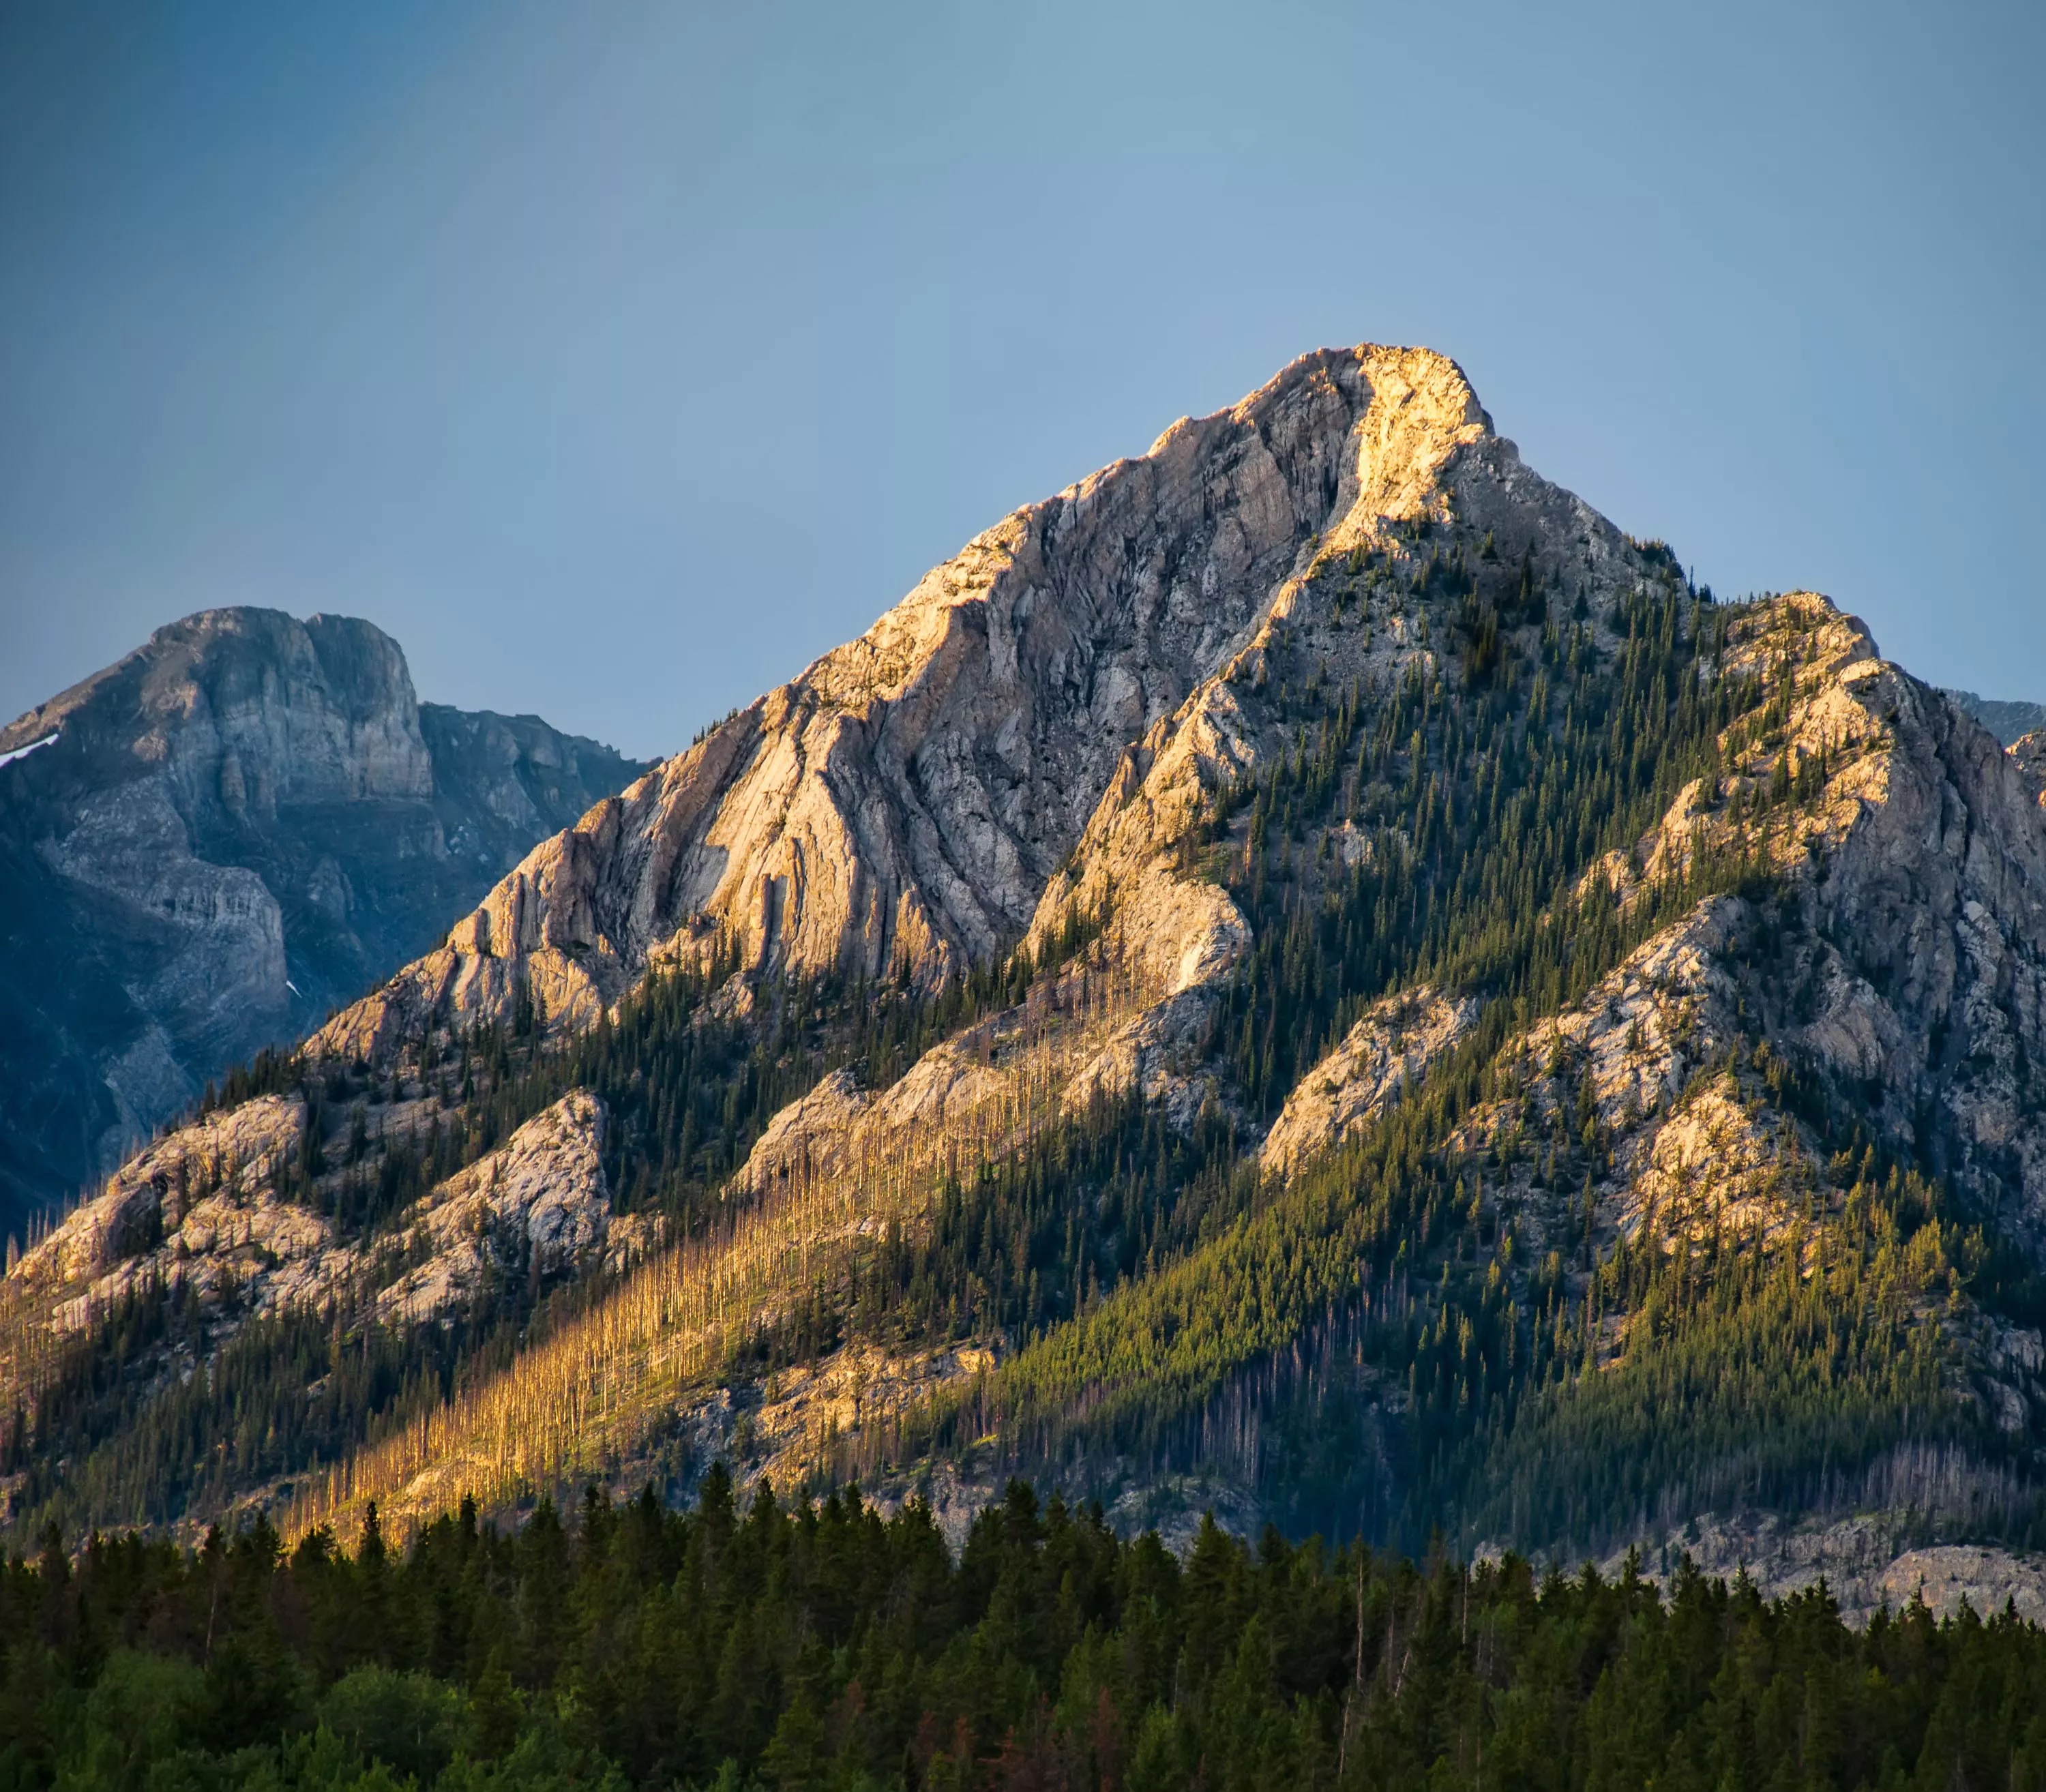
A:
{"points": [[208, 846], [1497, 1040]]}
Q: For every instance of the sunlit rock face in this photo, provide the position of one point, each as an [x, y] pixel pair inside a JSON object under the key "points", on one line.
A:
{"points": [[1390, 1048], [2027, 755], [203, 1212], [906, 801], [208, 845], [534, 1206]]}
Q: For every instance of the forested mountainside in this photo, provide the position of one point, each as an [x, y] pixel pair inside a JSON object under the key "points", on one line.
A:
{"points": [[1308, 975], [209, 847]]}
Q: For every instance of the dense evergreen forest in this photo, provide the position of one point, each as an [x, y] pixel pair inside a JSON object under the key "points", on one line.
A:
{"points": [[756, 1643]]}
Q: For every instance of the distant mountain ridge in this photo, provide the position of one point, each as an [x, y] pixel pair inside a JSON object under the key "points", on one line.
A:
{"points": [[204, 847], [2010, 722]]}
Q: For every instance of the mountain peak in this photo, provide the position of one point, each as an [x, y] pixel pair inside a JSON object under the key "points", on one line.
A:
{"points": [[906, 799], [2010, 722], [1490, 1023]]}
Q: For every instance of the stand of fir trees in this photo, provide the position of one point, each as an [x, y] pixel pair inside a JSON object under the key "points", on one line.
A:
{"points": [[828, 1647]]}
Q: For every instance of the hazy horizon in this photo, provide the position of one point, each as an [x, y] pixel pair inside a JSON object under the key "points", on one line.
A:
{"points": [[617, 365]]}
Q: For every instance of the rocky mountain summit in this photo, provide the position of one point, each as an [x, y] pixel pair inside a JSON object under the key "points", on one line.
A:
{"points": [[906, 799], [1308, 975], [209, 844]]}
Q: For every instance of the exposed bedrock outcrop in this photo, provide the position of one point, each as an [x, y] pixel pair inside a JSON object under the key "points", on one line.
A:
{"points": [[199, 1212], [1078, 717]]}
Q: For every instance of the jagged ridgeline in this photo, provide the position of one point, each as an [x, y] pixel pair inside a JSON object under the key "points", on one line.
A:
{"points": [[1308, 974]]}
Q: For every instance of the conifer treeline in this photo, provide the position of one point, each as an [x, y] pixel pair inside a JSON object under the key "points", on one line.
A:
{"points": [[827, 1648]]}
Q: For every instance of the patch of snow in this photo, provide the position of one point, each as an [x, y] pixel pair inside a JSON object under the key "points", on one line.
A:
{"points": [[8, 758]]}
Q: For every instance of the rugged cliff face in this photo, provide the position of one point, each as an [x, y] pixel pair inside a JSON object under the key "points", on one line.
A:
{"points": [[1308, 974], [906, 800], [206, 847]]}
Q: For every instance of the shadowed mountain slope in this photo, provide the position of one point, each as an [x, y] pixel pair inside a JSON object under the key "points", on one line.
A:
{"points": [[209, 844], [2010, 722]]}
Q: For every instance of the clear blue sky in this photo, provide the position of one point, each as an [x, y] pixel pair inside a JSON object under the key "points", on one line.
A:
{"points": [[618, 359]]}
